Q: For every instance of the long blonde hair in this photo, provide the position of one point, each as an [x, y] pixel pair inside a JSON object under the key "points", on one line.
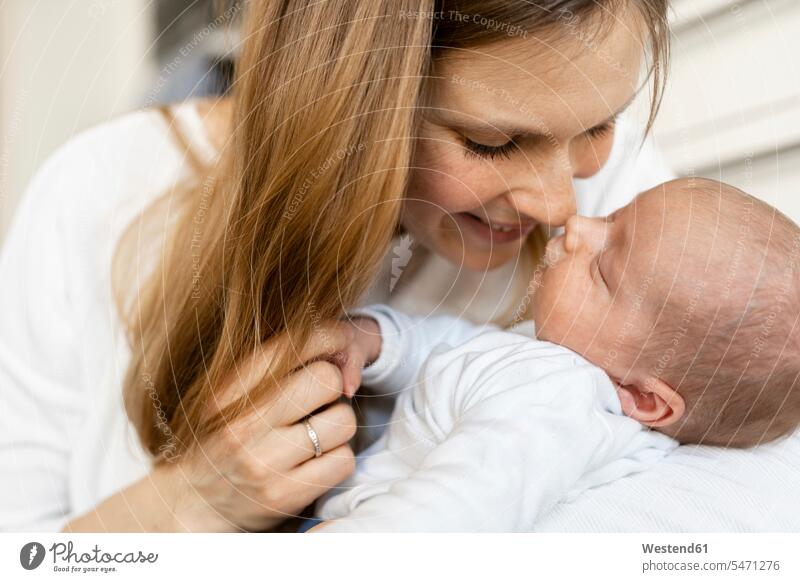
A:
{"points": [[303, 202]]}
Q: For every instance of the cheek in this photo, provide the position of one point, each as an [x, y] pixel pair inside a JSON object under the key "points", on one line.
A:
{"points": [[548, 303], [610, 345], [562, 304], [443, 177]]}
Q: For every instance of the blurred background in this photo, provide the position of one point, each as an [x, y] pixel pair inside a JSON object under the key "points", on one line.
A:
{"points": [[732, 110]]}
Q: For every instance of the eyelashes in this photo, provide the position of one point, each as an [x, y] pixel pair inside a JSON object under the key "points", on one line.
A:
{"points": [[479, 150], [473, 149], [601, 130]]}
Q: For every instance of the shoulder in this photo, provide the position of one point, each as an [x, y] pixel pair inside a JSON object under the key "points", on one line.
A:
{"points": [[511, 345], [131, 153], [110, 171], [506, 363], [98, 168], [64, 231]]}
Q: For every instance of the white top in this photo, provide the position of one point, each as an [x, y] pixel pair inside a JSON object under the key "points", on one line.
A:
{"points": [[66, 444], [492, 432]]}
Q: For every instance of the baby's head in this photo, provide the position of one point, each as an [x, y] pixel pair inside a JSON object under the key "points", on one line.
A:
{"points": [[689, 299]]}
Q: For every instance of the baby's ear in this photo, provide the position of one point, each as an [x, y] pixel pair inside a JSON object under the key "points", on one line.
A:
{"points": [[652, 402]]}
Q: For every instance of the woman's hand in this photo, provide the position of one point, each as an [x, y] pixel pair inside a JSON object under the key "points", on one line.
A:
{"points": [[262, 469]]}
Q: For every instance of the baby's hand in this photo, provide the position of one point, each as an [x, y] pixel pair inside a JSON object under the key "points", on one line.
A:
{"points": [[362, 351]]}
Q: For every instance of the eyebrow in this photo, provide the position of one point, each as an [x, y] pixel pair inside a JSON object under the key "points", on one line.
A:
{"points": [[517, 131]]}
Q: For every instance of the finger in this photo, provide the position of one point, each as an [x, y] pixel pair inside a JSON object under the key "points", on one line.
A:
{"points": [[317, 384], [351, 374], [350, 362], [280, 451], [292, 445], [325, 340], [302, 393], [316, 476]]}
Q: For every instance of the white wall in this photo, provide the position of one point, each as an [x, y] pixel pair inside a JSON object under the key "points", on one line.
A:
{"points": [[732, 111], [64, 65]]}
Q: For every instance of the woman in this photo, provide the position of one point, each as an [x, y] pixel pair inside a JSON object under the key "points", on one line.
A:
{"points": [[465, 128]]}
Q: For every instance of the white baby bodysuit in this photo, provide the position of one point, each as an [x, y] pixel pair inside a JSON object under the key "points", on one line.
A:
{"points": [[492, 429]]}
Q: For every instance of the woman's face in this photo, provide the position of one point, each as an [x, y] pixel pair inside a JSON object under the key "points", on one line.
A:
{"points": [[507, 128]]}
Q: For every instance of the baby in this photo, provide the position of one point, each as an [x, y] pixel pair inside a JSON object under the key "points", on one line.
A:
{"points": [[673, 320]]}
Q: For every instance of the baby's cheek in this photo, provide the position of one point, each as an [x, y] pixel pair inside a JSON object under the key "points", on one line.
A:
{"points": [[548, 306], [568, 307]]}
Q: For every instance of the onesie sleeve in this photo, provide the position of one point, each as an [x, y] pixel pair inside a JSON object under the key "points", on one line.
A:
{"points": [[41, 400], [522, 431], [407, 341]]}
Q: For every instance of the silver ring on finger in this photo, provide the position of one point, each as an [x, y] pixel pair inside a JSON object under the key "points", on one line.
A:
{"points": [[313, 436]]}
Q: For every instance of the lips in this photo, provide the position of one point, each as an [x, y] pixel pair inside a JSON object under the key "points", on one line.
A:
{"points": [[499, 227]]}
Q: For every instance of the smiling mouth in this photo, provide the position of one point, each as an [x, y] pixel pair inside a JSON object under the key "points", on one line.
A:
{"points": [[499, 226]]}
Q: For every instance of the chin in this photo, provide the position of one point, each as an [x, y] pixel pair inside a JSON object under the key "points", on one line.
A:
{"points": [[466, 254]]}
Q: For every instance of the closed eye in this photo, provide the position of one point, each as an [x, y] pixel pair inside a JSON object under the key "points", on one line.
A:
{"points": [[602, 130], [597, 271], [475, 149]]}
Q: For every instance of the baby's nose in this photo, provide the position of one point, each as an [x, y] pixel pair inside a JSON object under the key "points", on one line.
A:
{"points": [[582, 231]]}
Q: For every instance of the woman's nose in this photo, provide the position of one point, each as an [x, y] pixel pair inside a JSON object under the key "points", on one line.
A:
{"points": [[582, 232], [544, 189]]}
